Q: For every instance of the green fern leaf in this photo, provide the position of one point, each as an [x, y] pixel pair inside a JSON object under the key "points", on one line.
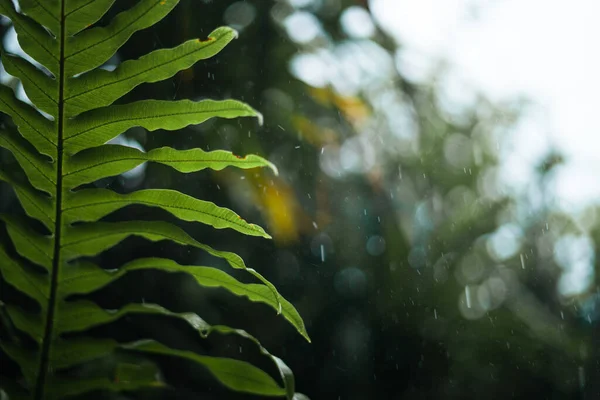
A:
{"points": [[110, 160], [60, 146]]}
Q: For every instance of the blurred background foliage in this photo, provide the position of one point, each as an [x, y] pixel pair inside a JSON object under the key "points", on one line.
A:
{"points": [[418, 275]]}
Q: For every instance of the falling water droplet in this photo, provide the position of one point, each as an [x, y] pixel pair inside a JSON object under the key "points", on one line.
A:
{"points": [[522, 261], [468, 296], [322, 253]]}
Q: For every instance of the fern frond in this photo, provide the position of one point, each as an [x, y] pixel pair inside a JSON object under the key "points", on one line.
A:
{"points": [[93, 47], [61, 145], [234, 374], [92, 204], [36, 129], [90, 278], [35, 204], [44, 12], [39, 171], [43, 92], [111, 160], [97, 127], [81, 14], [31, 284], [101, 88], [28, 243], [34, 39]]}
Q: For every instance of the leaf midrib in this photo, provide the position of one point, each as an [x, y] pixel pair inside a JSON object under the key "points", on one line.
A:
{"points": [[44, 361]]}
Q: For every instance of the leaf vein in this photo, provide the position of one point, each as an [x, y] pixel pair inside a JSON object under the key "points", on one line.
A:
{"points": [[151, 117], [157, 204], [35, 84], [32, 243], [27, 122], [171, 60], [50, 53], [79, 8], [114, 34], [158, 160], [46, 10], [34, 165], [26, 195]]}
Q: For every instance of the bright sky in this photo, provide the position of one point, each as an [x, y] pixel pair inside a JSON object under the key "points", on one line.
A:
{"points": [[545, 49]]}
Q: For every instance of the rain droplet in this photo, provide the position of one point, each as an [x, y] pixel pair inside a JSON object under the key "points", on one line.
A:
{"points": [[581, 378], [468, 296], [522, 261]]}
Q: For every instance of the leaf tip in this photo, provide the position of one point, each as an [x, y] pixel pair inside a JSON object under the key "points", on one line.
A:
{"points": [[305, 336]]}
